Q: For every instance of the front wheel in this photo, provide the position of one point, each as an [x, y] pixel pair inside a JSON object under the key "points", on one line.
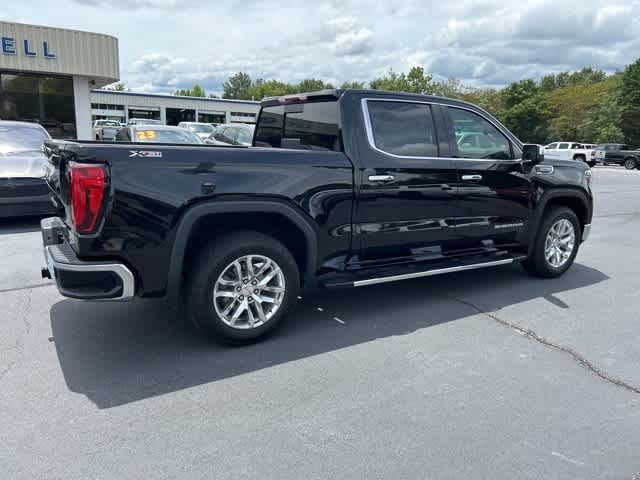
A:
{"points": [[242, 286], [630, 163], [556, 244]]}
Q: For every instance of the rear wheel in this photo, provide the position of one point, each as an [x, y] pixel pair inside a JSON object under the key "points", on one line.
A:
{"points": [[580, 158], [556, 244], [242, 286], [630, 163]]}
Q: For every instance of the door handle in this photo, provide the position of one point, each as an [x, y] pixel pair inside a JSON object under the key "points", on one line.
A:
{"points": [[381, 178], [471, 178]]}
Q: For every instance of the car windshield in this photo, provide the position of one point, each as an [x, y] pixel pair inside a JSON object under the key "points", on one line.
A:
{"points": [[164, 135], [16, 138], [108, 123], [200, 128], [143, 121], [245, 136]]}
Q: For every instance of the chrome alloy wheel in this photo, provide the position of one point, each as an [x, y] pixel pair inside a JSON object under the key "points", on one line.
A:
{"points": [[560, 242], [249, 291]]}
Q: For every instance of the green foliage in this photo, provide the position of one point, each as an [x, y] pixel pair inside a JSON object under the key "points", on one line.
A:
{"points": [[196, 91], [353, 84], [585, 76], [525, 111], [586, 105], [416, 81], [630, 99], [237, 86]]}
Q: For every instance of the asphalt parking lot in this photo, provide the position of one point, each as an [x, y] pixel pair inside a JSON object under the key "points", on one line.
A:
{"points": [[485, 374]]}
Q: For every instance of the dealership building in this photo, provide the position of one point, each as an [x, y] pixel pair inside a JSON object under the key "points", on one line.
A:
{"points": [[46, 76], [170, 109], [53, 76]]}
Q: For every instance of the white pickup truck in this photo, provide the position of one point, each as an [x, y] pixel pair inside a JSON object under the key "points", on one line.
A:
{"points": [[582, 152], [105, 129]]}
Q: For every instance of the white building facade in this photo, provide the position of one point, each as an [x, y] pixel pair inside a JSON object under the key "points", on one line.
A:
{"points": [[46, 75], [170, 109]]}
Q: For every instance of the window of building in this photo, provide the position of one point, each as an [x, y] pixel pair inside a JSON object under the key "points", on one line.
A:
{"points": [[177, 115], [43, 99], [403, 128]]}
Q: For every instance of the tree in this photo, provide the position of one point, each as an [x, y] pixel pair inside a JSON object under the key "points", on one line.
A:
{"points": [[416, 81], [525, 111], [237, 86], [312, 85], [196, 91], [630, 101], [268, 88], [352, 84]]}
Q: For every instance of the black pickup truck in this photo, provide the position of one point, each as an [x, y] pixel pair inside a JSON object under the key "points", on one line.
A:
{"points": [[618, 153], [340, 189]]}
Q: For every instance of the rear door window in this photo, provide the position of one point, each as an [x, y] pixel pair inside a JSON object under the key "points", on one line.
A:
{"points": [[403, 128], [309, 126]]}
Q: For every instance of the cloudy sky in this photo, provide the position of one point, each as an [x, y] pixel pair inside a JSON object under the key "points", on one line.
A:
{"points": [[169, 44]]}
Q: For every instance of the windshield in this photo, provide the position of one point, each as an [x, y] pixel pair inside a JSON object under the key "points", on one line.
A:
{"points": [[15, 138], [245, 136], [107, 123], [144, 121], [178, 135], [200, 128]]}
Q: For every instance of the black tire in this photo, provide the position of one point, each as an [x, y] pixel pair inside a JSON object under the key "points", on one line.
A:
{"points": [[630, 163], [537, 264], [580, 158], [592, 164], [209, 265]]}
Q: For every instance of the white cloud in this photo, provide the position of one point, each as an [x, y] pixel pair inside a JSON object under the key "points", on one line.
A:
{"points": [[169, 44]]}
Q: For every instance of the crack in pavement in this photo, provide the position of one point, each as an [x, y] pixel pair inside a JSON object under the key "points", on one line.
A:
{"points": [[577, 357]]}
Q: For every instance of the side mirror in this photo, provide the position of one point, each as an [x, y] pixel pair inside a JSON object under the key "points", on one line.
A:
{"points": [[532, 154]]}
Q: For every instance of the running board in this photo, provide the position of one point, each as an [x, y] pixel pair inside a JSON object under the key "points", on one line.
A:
{"points": [[437, 271], [397, 274]]}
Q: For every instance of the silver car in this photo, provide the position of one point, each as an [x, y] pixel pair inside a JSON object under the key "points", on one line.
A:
{"points": [[23, 190]]}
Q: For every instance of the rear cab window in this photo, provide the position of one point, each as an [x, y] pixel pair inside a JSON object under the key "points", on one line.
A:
{"points": [[307, 126]]}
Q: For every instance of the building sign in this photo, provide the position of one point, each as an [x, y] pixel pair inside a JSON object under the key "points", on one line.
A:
{"points": [[12, 46]]}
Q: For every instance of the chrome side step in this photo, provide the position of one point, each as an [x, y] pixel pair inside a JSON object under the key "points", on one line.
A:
{"points": [[437, 271]]}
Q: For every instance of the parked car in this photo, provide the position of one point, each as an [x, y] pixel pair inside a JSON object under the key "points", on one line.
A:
{"points": [[571, 151], [371, 188], [23, 190], [105, 129], [157, 134], [203, 130], [232, 134], [144, 121], [619, 154]]}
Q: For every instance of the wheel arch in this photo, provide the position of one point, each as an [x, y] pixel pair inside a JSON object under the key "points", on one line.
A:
{"points": [[278, 219], [573, 198]]}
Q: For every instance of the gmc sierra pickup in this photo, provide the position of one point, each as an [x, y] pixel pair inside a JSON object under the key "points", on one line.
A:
{"points": [[340, 189]]}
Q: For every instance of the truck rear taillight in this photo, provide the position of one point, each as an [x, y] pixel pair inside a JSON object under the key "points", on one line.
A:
{"points": [[87, 184]]}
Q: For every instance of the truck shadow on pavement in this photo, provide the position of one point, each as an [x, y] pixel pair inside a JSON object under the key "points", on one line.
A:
{"points": [[117, 353]]}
